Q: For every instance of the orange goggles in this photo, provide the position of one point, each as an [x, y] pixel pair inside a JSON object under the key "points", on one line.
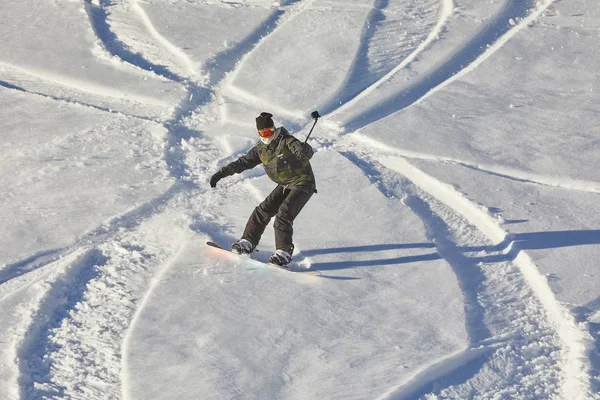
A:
{"points": [[266, 133]]}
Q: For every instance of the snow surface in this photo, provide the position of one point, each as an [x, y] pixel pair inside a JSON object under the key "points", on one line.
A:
{"points": [[456, 231]]}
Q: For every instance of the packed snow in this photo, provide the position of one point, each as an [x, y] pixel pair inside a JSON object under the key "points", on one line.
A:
{"points": [[451, 251]]}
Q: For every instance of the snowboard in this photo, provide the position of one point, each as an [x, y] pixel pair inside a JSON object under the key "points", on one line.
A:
{"points": [[292, 267]]}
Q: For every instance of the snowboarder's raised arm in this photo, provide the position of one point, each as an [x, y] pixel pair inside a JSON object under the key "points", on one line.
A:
{"points": [[245, 162], [303, 151]]}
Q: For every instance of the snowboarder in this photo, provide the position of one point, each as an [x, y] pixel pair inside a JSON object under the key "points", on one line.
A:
{"points": [[286, 162]]}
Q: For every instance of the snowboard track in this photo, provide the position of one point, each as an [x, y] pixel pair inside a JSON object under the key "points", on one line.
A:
{"points": [[574, 347], [342, 100], [495, 170], [36, 370], [575, 342], [479, 47], [488, 339], [107, 232], [65, 100], [65, 292], [98, 18]]}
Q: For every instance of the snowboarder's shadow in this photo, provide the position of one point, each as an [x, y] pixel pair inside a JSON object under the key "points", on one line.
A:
{"points": [[513, 244], [338, 265], [504, 251]]}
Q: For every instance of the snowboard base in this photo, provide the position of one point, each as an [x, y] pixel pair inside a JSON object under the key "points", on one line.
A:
{"points": [[290, 268]]}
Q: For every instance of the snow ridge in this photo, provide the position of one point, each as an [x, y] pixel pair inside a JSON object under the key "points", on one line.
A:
{"points": [[505, 172], [87, 87], [98, 19], [493, 36], [446, 9], [190, 66], [68, 100], [64, 293], [575, 340], [504, 321]]}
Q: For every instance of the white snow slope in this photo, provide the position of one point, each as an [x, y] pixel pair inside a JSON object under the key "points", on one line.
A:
{"points": [[456, 230]]}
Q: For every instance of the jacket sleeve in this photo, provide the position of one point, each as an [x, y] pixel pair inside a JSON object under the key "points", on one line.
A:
{"points": [[245, 162], [303, 151]]}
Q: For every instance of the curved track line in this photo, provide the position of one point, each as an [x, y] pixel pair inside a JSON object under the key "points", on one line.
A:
{"points": [[499, 306], [465, 60], [192, 67], [296, 116], [98, 20], [537, 12], [10, 86], [66, 100], [129, 220], [64, 293], [87, 87], [203, 93], [293, 9], [446, 9], [125, 390], [231, 59], [498, 170], [575, 340], [430, 373]]}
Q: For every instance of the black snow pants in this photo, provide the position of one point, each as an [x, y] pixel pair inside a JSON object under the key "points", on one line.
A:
{"points": [[283, 204]]}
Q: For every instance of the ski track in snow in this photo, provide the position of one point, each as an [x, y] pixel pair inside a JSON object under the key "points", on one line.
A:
{"points": [[124, 381], [191, 67], [86, 310], [99, 21], [64, 293], [574, 342], [443, 211], [333, 108], [82, 86], [128, 221], [66, 100], [501, 171], [54, 342], [492, 37], [202, 93]]}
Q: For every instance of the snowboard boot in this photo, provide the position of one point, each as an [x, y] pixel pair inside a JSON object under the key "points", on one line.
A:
{"points": [[281, 258], [242, 246]]}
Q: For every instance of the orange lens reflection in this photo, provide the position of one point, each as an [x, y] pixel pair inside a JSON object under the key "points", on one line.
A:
{"points": [[268, 132]]}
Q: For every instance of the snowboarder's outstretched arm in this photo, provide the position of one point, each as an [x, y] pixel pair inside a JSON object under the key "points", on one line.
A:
{"points": [[303, 151], [245, 162]]}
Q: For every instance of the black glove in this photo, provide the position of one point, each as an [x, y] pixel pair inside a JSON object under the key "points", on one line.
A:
{"points": [[307, 150], [215, 178]]}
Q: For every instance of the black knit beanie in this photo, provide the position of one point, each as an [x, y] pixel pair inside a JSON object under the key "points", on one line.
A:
{"points": [[264, 121]]}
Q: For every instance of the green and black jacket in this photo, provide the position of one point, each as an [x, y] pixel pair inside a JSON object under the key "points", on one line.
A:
{"points": [[285, 159]]}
